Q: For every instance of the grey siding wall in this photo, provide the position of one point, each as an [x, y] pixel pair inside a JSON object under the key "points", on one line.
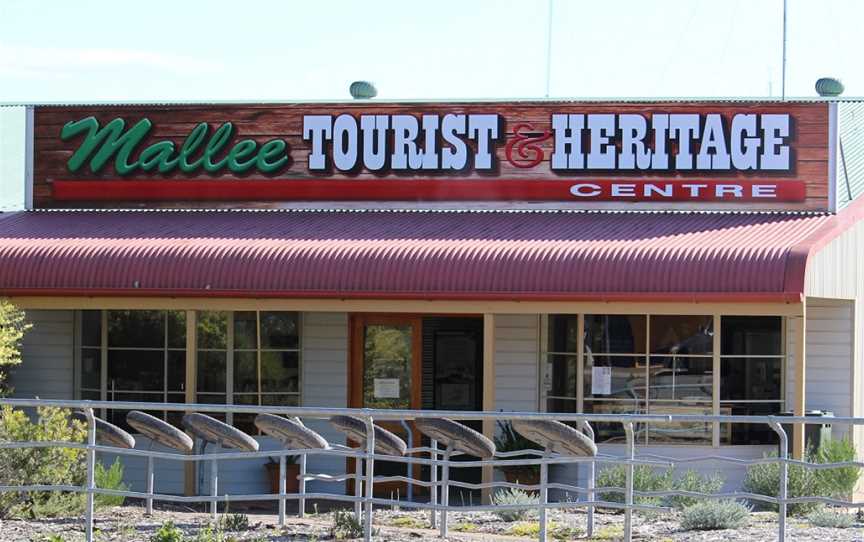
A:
{"points": [[517, 347], [48, 353], [325, 384], [850, 179]]}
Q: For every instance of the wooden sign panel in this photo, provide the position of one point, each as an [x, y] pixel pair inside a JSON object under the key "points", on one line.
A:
{"points": [[655, 155]]}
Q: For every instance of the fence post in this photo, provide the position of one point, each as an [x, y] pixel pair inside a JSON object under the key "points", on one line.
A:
{"points": [[628, 490], [589, 527], [91, 472], [433, 478], [282, 490], [358, 486], [301, 484], [214, 482], [784, 479], [151, 475], [445, 491], [370, 475], [544, 495]]}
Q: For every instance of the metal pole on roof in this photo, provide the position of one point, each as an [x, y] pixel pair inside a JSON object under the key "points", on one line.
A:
{"points": [[783, 76], [549, 49]]}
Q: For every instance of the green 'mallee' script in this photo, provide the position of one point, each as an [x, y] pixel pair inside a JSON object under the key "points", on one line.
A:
{"points": [[198, 151]]}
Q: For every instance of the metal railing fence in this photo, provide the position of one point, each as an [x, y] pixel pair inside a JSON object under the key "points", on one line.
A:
{"points": [[364, 499]]}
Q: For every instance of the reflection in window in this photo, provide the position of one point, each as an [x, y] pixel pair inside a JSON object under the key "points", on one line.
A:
{"points": [[145, 354], [751, 375], [387, 366]]}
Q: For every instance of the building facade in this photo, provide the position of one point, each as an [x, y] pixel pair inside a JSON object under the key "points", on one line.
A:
{"points": [[664, 257]]}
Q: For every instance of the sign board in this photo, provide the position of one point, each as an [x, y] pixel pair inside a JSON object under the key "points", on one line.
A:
{"points": [[654, 155], [601, 380], [386, 388]]}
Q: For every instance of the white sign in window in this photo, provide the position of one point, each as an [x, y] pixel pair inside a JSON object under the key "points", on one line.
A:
{"points": [[386, 388], [601, 380]]}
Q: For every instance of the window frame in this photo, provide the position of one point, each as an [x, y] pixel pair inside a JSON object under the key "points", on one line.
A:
{"points": [[715, 403], [191, 358]]}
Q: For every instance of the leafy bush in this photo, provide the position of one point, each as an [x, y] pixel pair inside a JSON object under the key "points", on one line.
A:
{"points": [[693, 481], [110, 478], [13, 326], [645, 478], [838, 482], [235, 522], [711, 515], [764, 479], [834, 519], [167, 532], [27, 466], [515, 496], [345, 526]]}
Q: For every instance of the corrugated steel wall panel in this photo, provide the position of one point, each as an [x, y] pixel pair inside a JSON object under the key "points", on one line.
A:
{"points": [[850, 167]]}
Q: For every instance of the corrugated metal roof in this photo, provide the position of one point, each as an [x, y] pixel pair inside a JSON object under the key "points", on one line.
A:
{"points": [[468, 255]]}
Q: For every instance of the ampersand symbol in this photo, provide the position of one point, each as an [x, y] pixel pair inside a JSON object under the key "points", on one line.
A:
{"points": [[524, 145]]}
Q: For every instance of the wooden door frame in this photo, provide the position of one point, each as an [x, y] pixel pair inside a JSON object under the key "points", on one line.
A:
{"points": [[357, 321]]}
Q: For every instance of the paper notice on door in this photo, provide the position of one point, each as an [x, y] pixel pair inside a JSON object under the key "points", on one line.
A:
{"points": [[386, 388], [601, 380]]}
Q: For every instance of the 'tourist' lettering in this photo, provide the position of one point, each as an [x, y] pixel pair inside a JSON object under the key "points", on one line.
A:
{"points": [[100, 145]]}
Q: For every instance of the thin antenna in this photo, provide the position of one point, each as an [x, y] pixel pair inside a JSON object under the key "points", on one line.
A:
{"points": [[783, 76], [549, 50]]}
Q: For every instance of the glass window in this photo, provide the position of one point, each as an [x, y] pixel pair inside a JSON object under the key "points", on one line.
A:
{"points": [[145, 353], [751, 375], [615, 334]]}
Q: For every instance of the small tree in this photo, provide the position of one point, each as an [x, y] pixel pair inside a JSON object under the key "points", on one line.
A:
{"points": [[13, 326]]}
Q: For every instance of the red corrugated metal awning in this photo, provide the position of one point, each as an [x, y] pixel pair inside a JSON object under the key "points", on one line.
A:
{"points": [[411, 255]]}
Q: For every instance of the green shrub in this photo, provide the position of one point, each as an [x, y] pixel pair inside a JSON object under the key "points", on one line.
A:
{"points": [[838, 482], [693, 481], [834, 519], [764, 479], [167, 532], [345, 526], [645, 478], [26, 466], [513, 496], [110, 478], [13, 326], [713, 515], [235, 522]]}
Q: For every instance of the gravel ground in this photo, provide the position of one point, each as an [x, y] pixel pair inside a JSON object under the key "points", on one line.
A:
{"points": [[129, 523]]}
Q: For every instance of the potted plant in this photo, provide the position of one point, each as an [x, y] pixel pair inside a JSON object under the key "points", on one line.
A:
{"points": [[508, 440], [292, 471]]}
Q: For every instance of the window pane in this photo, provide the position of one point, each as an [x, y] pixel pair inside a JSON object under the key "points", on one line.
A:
{"points": [[132, 370], [176, 329], [211, 372], [679, 432], [136, 329], [748, 433], [681, 334], [620, 377], [91, 328], [751, 335], [213, 330], [562, 381], [280, 400], [245, 422], [563, 333], [613, 334], [678, 377], [280, 372], [614, 431], [560, 404], [176, 370], [279, 330], [245, 330], [245, 372], [91, 368], [750, 379]]}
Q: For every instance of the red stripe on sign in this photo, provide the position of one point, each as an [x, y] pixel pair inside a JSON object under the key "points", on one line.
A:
{"points": [[430, 190]]}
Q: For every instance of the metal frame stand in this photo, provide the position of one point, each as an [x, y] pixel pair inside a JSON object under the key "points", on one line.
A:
{"points": [[445, 490]]}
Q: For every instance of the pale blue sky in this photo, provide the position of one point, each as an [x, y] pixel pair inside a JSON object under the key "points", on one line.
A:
{"points": [[271, 50]]}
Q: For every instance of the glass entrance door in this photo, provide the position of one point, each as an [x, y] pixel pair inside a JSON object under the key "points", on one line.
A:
{"points": [[386, 374]]}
